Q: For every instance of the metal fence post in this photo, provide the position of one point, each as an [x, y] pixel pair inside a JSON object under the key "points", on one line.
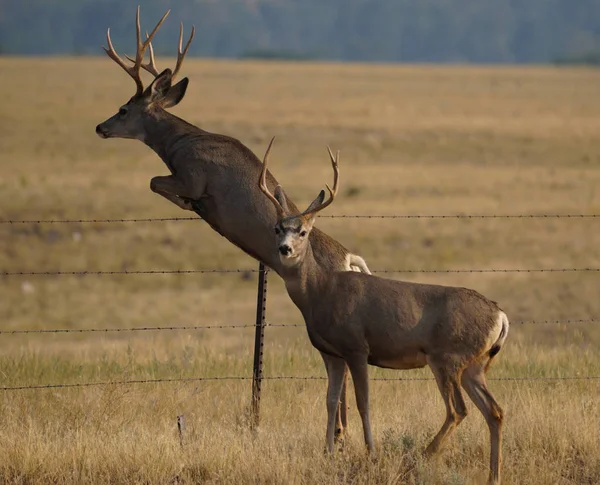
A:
{"points": [[257, 370]]}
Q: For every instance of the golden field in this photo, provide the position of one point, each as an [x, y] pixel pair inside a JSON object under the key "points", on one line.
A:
{"points": [[414, 141]]}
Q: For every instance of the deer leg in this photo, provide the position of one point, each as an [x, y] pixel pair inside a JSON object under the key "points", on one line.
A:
{"points": [[172, 189], [343, 407], [341, 417], [360, 375], [336, 374], [447, 376], [475, 384]]}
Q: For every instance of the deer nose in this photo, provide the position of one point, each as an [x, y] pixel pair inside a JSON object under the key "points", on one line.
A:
{"points": [[101, 132], [285, 249]]}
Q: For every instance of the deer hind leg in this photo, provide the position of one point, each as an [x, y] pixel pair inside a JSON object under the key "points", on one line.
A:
{"points": [[475, 384], [336, 377], [173, 190], [447, 376], [342, 412], [360, 375]]}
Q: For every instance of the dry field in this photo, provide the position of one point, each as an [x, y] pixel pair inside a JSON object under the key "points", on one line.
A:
{"points": [[413, 140]]}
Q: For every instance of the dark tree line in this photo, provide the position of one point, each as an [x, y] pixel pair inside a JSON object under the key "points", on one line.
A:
{"points": [[371, 30]]}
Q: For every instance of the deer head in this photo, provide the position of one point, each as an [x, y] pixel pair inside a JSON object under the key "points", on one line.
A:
{"points": [[149, 102], [292, 231]]}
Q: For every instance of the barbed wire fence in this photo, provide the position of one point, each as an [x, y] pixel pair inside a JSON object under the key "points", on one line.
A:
{"points": [[260, 324], [335, 216]]}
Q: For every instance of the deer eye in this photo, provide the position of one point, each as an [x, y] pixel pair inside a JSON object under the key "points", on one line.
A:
{"points": [[122, 112], [303, 233], [277, 231]]}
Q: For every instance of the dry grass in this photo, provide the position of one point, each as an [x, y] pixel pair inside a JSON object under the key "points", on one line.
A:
{"points": [[414, 140]]}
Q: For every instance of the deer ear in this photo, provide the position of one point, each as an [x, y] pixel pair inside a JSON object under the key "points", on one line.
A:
{"points": [[280, 196], [160, 86], [175, 94], [317, 202]]}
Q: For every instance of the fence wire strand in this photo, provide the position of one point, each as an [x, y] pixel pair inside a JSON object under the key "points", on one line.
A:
{"points": [[275, 378], [334, 216], [229, 327], [246, 271], [125, 272]]}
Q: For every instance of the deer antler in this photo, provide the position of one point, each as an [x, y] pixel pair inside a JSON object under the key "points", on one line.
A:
{"points": [[262, 184], [332, 192], [134, 71], [181, 53]]}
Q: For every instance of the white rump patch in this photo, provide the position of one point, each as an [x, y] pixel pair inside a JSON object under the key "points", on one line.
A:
{"points": [[500, 331], [356, 263]]}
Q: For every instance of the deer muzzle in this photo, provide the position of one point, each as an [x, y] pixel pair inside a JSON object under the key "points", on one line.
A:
{"points": [[285, 250], [101, 131]]}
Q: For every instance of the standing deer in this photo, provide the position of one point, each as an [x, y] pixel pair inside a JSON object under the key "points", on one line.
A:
{"points": [[212, 175], [359, 319]]}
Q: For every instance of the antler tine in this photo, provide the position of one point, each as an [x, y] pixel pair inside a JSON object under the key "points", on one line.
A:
{"points": [[332, 192], [182, 53], [117, 58], [134, 71], [151, 65], [262, 183], [148, 40], [336, 173]]}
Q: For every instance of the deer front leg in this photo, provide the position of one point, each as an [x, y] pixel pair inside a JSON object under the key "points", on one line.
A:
{"points": [[341, 415], [174, 190], [336, 376]]}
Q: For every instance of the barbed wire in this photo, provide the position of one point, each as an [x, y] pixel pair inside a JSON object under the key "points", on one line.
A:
{"points": [[488, 270], [334, 216], [462, 216], [125, 272], [275, 378], [98, 221], [124, 382], [245, 271], [420, 379], [228, 327], [131, 329]]}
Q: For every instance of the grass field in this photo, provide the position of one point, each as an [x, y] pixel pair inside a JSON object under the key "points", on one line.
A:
{"points": [[413, 140]]}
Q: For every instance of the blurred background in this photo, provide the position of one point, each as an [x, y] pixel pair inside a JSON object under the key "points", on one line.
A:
{"points": [[495, 31]]}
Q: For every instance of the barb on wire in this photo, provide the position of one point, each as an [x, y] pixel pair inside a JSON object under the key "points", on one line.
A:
{"points": [[334, 216], [275, 378], [241, 270]]}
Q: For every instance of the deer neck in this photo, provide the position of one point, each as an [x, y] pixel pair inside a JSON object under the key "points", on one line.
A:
{"points": [[166, 134], [304, 281]]}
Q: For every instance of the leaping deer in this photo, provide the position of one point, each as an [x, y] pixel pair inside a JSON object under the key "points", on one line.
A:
{"points": [[358, 319], [213, 175]]}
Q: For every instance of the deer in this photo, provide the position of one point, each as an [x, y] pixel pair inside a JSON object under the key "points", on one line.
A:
{"points": [[211, 174], [359, 319]]}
